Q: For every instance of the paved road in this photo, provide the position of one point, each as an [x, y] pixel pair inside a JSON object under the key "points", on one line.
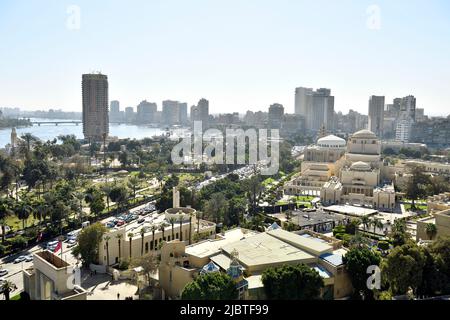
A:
{"points": [[15, 269]]}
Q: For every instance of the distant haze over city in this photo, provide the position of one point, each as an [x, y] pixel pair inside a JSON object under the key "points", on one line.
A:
{"points": [[238, 55]]}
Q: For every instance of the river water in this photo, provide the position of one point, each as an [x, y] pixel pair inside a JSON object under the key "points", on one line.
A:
{"points": [[50, 131]]}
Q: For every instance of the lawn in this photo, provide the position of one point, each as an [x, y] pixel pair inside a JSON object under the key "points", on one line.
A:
{"points": [[419, 207], [16, 224], [305, 198]]}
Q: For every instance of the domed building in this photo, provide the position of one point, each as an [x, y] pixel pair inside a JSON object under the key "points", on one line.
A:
{"points": [[317, 166], [358, 177]]}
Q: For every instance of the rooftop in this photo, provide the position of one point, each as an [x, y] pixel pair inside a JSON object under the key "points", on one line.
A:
{"points": [[263, 250], [52, 259], [210, 247], [351, 210]]}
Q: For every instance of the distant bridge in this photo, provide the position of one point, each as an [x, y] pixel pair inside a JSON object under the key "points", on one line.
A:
{"points": [[68, 122], [56, 123]]}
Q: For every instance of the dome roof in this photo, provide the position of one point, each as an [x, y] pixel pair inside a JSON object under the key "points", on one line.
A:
{"points": [[360, 166], [331, 140], [364, 134], [210, 267]]}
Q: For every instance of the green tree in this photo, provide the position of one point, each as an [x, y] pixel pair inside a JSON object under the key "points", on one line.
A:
{"points": [[290, 282], [88, 243], [106, 239], [431, 230], [5, 211], [119, 242], [130, 238], [356, 261], [416, 184], [23, 211], [133, 183], [119, 195], [210, 286], [403, 268], [6, 288]]}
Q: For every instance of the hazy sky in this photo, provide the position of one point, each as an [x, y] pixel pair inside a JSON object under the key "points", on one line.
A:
{"points": [[239, 54]]}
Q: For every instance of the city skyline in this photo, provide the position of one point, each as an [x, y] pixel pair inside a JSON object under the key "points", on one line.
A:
{"points": [[247, 64]]}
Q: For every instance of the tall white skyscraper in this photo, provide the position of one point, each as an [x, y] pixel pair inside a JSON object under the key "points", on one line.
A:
{"points": [[376, 115]]}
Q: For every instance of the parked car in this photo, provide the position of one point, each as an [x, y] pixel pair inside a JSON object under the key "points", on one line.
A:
{"points": [[71, 243], [3, 272], [29, 258], [19, 259], [141, 220], [110, 225], [120, 223]]}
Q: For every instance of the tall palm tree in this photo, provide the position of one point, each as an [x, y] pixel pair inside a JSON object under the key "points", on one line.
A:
{"points": [[119, 241], [28, 141], [162, 230], [365, 220], [153, 228], [106, 188], [142, 240], [107, 238], [23, 211], [172, 221], [431, 230], [133, 183], [5, 211], [79, 196], [130, 237], [198, 223], [190, 227], [376, 223]]}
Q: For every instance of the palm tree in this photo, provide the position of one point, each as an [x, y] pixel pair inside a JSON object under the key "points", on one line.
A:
{"points": [[106, 188], [190, 227], [6, 288], [376, 223], [28, 140], [198, 223], [133, 183], [79, 196], [107, 238], [431, 230], [23, 211], [5, 211], [142, 240], [119, 238], [130, 237], [153, 228], [172, 221], [180, 219], [365, 220], [162, 230]]}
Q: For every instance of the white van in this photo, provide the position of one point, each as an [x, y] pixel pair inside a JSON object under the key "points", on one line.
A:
{"points": [[85, 224]]}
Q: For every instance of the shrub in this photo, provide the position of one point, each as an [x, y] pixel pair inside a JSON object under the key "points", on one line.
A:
{"points": [[19, 242], [338, 229], [339, 236], [383, 245], [124, 264], [2, 249]]}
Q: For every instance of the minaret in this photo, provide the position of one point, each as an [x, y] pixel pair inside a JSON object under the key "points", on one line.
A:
{"points": [[13, 138], [176, 198], [322, 131]]}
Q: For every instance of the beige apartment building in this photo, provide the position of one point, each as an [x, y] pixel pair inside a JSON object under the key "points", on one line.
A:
{"points": [[254, 252], [51, 278]]}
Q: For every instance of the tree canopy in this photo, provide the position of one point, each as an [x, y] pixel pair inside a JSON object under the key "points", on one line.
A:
{"points": [[290, 282], [210, 286]]}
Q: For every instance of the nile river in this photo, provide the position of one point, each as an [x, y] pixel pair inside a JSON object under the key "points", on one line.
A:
{"points": [[50, 131]]}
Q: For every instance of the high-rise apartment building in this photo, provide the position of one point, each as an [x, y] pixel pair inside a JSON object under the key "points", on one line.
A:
{"points": [[174, 112], [317, 107], [376, 115], [276, 114], [95, 106], [146, 112], [200, 112]]}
